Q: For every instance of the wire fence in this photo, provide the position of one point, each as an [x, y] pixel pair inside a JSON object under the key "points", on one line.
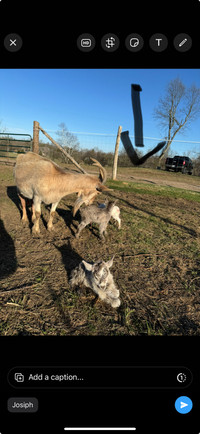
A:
{"points": [[106, 142]]}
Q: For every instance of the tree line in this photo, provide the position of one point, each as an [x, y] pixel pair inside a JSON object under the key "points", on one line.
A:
{"points": [[82, 156]]}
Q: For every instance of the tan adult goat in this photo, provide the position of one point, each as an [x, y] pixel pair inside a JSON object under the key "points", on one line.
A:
{"points": [[42, 180]]}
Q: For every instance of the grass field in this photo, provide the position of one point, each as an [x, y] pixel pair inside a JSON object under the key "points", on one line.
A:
{"points": [[156, 265]]}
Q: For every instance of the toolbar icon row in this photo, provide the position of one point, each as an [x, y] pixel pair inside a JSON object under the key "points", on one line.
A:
{"points": [[135, 42]]}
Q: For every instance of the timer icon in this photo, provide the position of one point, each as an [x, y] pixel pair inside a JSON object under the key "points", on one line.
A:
{"points": [[181, 377]]}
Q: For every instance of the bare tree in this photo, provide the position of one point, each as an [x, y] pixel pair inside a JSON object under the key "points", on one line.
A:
{"points": [[2, 129], [177, 110], [68, 140]]}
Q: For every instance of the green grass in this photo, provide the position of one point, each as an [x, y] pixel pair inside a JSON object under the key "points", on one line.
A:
{"points": [[154, 190]]}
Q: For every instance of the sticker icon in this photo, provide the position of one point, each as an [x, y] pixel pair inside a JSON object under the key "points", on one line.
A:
{"points": [[134, 42]]}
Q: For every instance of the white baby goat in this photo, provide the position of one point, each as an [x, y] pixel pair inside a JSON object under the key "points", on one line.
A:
{"points": [[42, 180], [100, 214], [98, 277], [115, 212]]}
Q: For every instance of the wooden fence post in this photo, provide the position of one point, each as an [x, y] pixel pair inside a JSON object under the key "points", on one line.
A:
{"points": [[36, 126], [114, 172], [62, 150]]}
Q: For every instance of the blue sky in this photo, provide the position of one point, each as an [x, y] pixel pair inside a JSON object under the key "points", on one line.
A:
{"points": [[89, 100]]}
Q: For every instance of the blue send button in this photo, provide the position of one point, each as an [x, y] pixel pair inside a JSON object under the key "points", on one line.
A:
{"points": [[183, 404]]}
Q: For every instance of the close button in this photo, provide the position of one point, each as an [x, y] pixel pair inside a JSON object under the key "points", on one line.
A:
{"points": [[22, 405], [13, 42]]}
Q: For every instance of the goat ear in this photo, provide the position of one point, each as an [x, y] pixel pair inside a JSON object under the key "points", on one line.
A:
{"points": [[102, 187], [87, 265], [110, 263]]}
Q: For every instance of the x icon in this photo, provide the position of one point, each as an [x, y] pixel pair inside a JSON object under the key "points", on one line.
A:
{"points": [[13, 42]]}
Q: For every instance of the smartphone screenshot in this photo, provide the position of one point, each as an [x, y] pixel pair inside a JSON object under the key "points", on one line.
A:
{"points": [[99, 217]]}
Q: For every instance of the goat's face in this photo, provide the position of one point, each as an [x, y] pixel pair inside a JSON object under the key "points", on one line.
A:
{"points": [[100, 272]]}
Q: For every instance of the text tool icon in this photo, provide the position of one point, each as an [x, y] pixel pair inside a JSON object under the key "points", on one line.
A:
{"points": [[158, 42]]}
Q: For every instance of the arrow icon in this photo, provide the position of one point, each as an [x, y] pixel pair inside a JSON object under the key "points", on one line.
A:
{"points": [[183, 404]]}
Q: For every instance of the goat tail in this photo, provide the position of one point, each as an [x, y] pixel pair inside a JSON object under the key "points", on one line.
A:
{"points": [[102, 170]]}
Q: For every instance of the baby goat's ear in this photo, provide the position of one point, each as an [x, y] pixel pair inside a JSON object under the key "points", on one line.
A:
{"points": [[110, 263], [87, 265]]}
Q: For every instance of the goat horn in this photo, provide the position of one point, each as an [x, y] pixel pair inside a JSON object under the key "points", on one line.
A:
{"points": [[103, 173], [77, 205]]}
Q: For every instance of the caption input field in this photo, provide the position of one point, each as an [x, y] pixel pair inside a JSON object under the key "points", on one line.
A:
{"points": [[100, 377]]}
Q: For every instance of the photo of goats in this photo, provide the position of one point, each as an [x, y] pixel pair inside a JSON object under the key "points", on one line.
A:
{"points": [[42, 180]]}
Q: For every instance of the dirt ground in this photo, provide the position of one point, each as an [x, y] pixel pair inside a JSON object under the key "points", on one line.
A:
{"points": [[156, 265], [160, 177]]}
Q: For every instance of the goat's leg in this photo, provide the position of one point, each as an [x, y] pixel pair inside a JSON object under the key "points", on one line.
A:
{"points": [[52, 213], [37, 208], [102, 230], [24, 213], [81, 226], [119, 222], [33, 213]]}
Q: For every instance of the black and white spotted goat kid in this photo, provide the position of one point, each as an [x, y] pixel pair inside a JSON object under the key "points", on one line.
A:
{"points": [[98, 277]]}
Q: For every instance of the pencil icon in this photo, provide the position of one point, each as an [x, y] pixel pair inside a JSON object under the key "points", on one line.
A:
{"points": [[182, 42]]}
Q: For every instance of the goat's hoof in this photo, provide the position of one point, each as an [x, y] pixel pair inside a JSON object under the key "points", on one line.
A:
{"points": [[115, 303], [50, 228], [36, 233], [24, 222]]}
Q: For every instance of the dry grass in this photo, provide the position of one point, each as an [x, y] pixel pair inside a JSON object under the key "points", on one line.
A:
{"points": [[156, 266]]}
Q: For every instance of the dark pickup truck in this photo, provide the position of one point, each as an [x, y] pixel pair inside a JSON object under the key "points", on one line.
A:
{"points": [[179, 164]]}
